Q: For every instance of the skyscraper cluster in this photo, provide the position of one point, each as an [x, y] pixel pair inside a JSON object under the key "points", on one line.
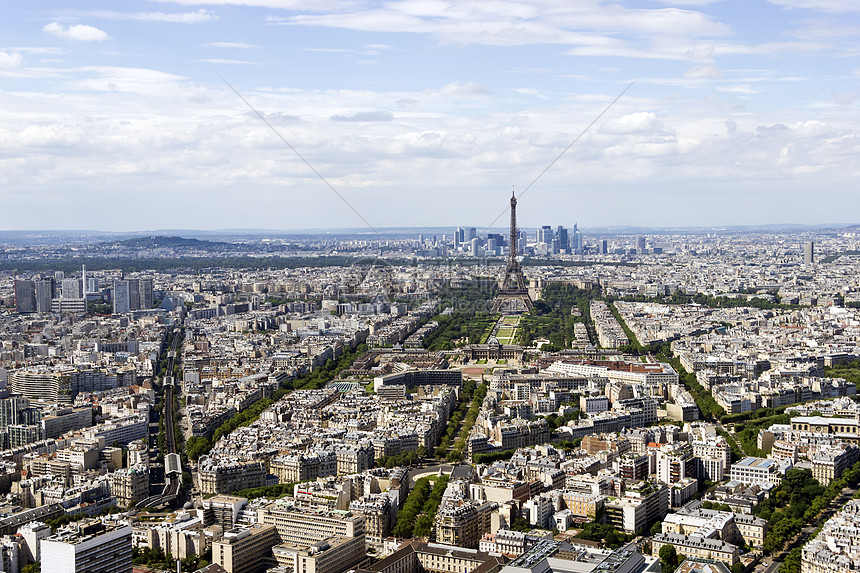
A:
{"points": [[131, 294], [62, 294], [561, 240], [53, 293]]}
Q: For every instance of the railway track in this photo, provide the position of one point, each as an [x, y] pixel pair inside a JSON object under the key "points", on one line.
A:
{"points": [[173, 466]]}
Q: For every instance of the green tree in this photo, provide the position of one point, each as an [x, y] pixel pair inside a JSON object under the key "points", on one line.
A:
{"points": [[669, 558]]}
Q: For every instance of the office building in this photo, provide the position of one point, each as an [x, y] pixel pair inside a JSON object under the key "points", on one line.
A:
{"points": [[25, 296], [753, 471], [545, 235], [808, 253], [42, 383], [576, 241], [121, 297], [563, 238], [45, 293], [333, 555], [17, 410], [88, 546], [298, 527], [245, 550], [146, 296], [132, 294], [72, 288], [23, 434]]}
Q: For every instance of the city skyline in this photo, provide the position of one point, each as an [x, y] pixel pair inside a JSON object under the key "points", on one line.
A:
{"points": [[121, 119]]}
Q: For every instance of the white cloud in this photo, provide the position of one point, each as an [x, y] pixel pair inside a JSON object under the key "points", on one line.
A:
{"points": [[139, 81], [178, 18], [365, 116], [237, 45], [274, 4], [79, 32], [227, 61], [10, 59], [689, 2], [328, 50], [588, 26], [530, 92], [168, 139], [832, 6], [703, 71], [639, 122], [456, 89], [738, 89], [38, 50]]}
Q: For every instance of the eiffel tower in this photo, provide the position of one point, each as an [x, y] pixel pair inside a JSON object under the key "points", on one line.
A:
{"points": [[513, 296]]}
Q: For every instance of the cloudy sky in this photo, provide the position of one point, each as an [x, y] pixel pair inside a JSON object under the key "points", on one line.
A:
{"points": [[118, 115]]}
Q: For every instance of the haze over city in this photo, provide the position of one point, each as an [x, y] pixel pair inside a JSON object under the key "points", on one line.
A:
{"points": [[118, 117]]}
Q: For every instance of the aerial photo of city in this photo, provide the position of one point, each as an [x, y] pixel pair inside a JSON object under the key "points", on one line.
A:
{"points": [[430, 286]]}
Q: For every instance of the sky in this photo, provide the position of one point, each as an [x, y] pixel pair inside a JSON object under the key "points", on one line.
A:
{"points": [[287, 114]]}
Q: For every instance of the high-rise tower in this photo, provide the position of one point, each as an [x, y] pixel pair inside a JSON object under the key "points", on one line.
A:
{"points": [[513, 296], [809, 253]]}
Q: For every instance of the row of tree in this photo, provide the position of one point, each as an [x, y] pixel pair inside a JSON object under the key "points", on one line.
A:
{"points": [[747, 435], [797, 502], [472, 415], [703, 398], [453, 425], [402, 460], [269, 491], [415, 518], [158, 559]]}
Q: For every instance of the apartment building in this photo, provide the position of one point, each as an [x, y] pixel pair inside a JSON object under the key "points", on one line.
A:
{"points": [[836, 548], [694, 546], [463, 523], [227, 476], [642, 504]]}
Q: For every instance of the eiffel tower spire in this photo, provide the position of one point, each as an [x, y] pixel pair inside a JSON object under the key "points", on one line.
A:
{"points": [[513, 296]]}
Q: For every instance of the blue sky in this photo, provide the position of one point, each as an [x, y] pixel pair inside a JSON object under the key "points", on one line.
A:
{"points": [[116, 115]]}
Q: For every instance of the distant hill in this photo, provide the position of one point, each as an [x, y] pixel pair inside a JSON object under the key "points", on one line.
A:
{"points": [[162, 242]]}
